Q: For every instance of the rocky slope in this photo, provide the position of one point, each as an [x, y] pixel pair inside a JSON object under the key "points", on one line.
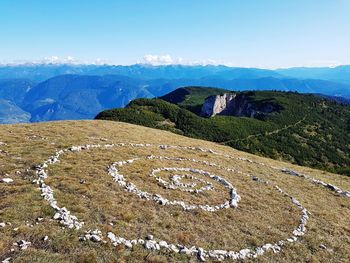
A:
{"points": [[218, 105]]}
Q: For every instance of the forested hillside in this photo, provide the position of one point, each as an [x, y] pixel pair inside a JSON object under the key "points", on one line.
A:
{"points": [[309, 130]]}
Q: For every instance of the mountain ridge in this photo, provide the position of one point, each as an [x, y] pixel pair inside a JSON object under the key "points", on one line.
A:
{"points": [[44, 71], [51, 96], [319, 140]]}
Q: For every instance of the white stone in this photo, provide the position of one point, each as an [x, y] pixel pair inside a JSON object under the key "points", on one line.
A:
{"points": [[95, 238], [163, 244], [7, 180], [150, 244], [243, 253], [23, 245], [201, 254], [323, 246], [128, 244], [185, 250], [6, 260], [149, 237]]}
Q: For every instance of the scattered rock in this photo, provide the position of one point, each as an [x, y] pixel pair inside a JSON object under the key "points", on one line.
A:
{"points": [[95, 238], [128, 244], [149, 237], [7, 180], [163, 244], [201, 254], [152, 245], [22, 244], [323, 246], [2, 224], [93, 235], [185, 250]]}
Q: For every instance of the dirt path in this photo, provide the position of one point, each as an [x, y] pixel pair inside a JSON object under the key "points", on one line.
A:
{"points": [[266, 133]]}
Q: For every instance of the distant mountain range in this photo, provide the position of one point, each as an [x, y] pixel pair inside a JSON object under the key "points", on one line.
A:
{"points": [[340, 73], [44, 92], [40, 72]]}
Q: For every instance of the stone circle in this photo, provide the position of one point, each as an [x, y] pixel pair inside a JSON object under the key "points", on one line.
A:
{"points": [[232, 201], [68, 220]]}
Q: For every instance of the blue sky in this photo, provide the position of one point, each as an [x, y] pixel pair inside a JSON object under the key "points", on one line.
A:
{"points": [[249, 33]]}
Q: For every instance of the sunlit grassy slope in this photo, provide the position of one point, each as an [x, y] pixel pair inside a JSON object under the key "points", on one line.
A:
{"points": [[81, 183]]}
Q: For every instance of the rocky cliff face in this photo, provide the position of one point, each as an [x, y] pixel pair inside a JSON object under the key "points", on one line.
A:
{"points": [[240, 105], [217, 104]]}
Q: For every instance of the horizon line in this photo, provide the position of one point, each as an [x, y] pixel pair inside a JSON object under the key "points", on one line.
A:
{"points": [[77, 64]]}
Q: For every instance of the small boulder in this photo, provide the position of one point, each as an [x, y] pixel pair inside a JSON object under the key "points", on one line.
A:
{"points": [[149, 237], [7, 180], [163, 244], [6, 260], [23, 245], [150, 244], [95, 238], [128, 244], [323, 246]]}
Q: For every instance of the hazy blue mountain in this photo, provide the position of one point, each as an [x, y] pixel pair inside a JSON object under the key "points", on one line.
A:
{"points": [[56, 92], [340, 73], [15, 89], [40, 72], [11, 113], [287, 84], [80, 97], [268, 83]]}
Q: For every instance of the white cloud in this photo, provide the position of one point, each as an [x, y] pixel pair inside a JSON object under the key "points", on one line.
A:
{"points": [[158, 59], [169, 60], [100, 61], [58, 60], [150, 59]]}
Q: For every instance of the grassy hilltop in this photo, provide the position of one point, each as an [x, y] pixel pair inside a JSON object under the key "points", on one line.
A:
{"points": [[307, 130], [80, 182]]}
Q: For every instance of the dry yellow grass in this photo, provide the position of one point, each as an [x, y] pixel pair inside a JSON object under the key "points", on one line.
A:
{"points": [[263, 215]]}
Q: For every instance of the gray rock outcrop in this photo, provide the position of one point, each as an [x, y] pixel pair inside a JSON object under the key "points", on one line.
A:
{"points": [[240, 105], [218, 104]]}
